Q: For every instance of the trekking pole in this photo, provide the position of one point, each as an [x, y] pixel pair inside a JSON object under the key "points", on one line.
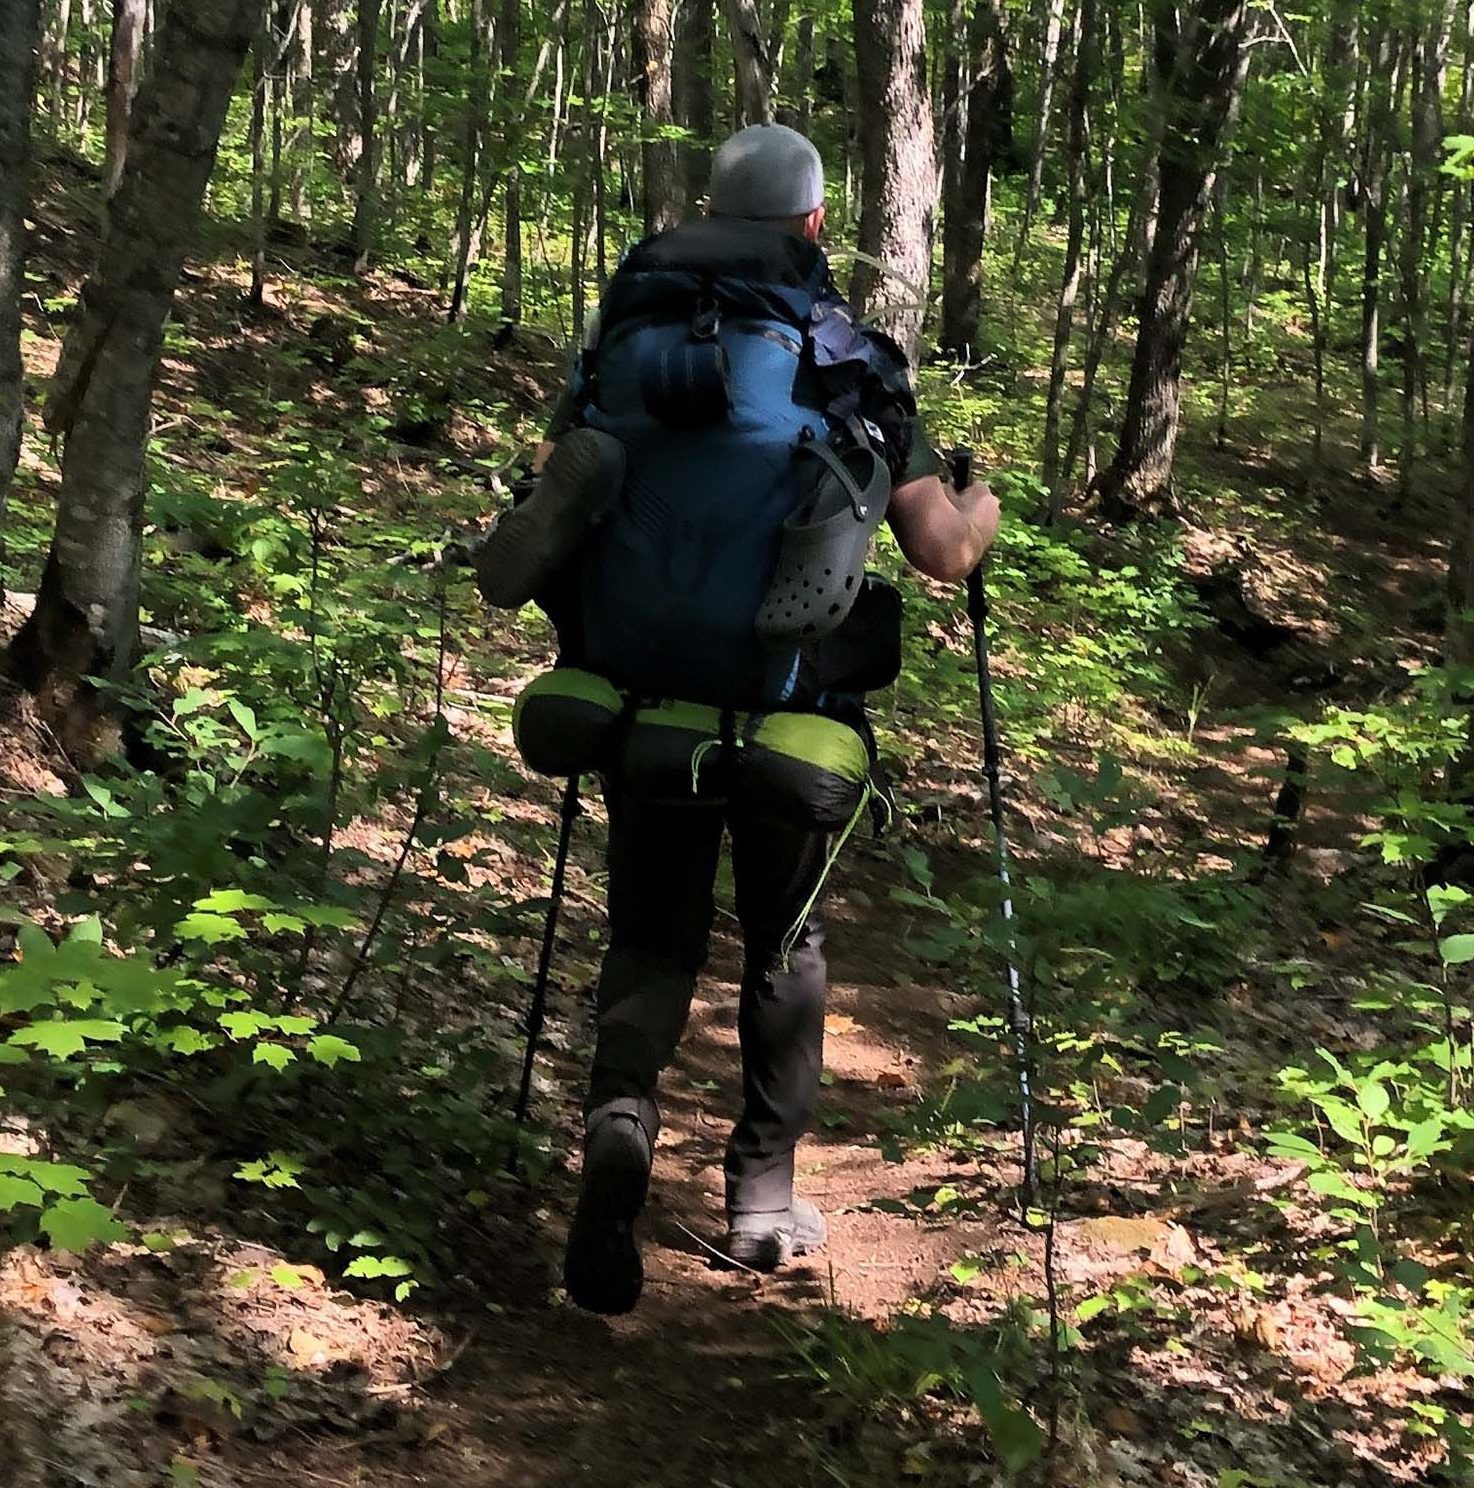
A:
{"points": [[1018, 1018], [538, 1009]]}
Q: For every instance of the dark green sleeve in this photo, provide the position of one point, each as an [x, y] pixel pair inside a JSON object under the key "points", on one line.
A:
{"points": [[921, 457]]}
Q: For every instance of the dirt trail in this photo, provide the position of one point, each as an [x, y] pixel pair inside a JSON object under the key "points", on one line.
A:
{"points": [[697, 1386]]}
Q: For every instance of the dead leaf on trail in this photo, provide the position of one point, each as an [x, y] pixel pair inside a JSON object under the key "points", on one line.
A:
{"points": [[840, 1023], [890, 1080], [1113, 1232], [307, 1347], [1174, 1251], [1122, 1421]]}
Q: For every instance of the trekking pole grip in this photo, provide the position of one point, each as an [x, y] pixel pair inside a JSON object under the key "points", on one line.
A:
{"points": [[959, 469]]}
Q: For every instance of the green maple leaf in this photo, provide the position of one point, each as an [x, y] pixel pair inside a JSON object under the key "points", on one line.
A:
{"points": [[64, 1037], [74, 1224], [329, 1049], [17, 1191]]}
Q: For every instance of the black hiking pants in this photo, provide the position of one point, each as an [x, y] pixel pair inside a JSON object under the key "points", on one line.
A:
{"points": [[662, 873]]}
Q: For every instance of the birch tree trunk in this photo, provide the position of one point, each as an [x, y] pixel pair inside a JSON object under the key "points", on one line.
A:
{"points": [[1207, 66], [898, 219], [86, 618], [1044, 109], [125, 53], [20, 28]]}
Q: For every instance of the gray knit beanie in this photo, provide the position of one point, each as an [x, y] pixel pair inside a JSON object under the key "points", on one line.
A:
{"points": [[767, 171]]}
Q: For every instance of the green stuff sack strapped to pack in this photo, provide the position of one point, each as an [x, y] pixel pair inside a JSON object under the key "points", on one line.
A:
{"points": [[801, 768]]}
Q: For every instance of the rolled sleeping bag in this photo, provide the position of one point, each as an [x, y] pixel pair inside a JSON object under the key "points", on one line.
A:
{"points": [[672, 753], [804, 769], [565, 721]]}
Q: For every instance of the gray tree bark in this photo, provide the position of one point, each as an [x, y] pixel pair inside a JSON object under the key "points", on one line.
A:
{"points": [[20, 29], [977, 130], [1044, 108], [366, 182], [1205, 67], [477, 112], [510, 46], [1379, 120], [898, 219], [86, 618], [125, 54], [55, 63], [752, 63], [1069, 294]]}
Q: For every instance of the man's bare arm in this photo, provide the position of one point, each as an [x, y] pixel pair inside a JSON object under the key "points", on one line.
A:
{"points": [[943, 532]]}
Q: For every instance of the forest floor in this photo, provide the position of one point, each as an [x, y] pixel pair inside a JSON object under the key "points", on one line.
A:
{"points": [[225, 1357]]}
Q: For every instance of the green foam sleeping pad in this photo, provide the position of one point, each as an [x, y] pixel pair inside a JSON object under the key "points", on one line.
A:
{"points": [[810, 771]]}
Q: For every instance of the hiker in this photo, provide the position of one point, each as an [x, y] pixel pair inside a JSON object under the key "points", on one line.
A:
{"points": [[677, 500]]}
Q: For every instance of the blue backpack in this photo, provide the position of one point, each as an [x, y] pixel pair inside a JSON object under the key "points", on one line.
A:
{"points": [[723, 348]]}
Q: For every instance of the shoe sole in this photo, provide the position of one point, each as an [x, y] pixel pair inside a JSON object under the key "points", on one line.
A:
{"points": [[775, 1249], [603, 1270]]}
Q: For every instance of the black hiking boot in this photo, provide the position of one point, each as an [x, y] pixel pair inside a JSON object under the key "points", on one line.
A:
{"points": [[533, 541], [764, 1242], [602, 1269]]}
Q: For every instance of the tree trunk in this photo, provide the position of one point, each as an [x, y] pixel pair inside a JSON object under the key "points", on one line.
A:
{"points": [[122, 83], [898, 218], [752, 63], [1069, 293], [1460, 218], [259, 80], [86, 618], [56, 63], [803, 75], [978, 129], [1205, 74], [477, 110], [692, 94], [299, 79], [366, 185], [654, 46], [432, 52], [91, 66], [1044, 109], [342, 52], [1380, 53], [20, 27], [510, 46], [1428, 65], [1458, 646]]}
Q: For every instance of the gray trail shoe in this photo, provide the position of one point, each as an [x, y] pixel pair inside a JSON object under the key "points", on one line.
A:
{"points": [[766, 1241], [602, 1268], [533, 541]]}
